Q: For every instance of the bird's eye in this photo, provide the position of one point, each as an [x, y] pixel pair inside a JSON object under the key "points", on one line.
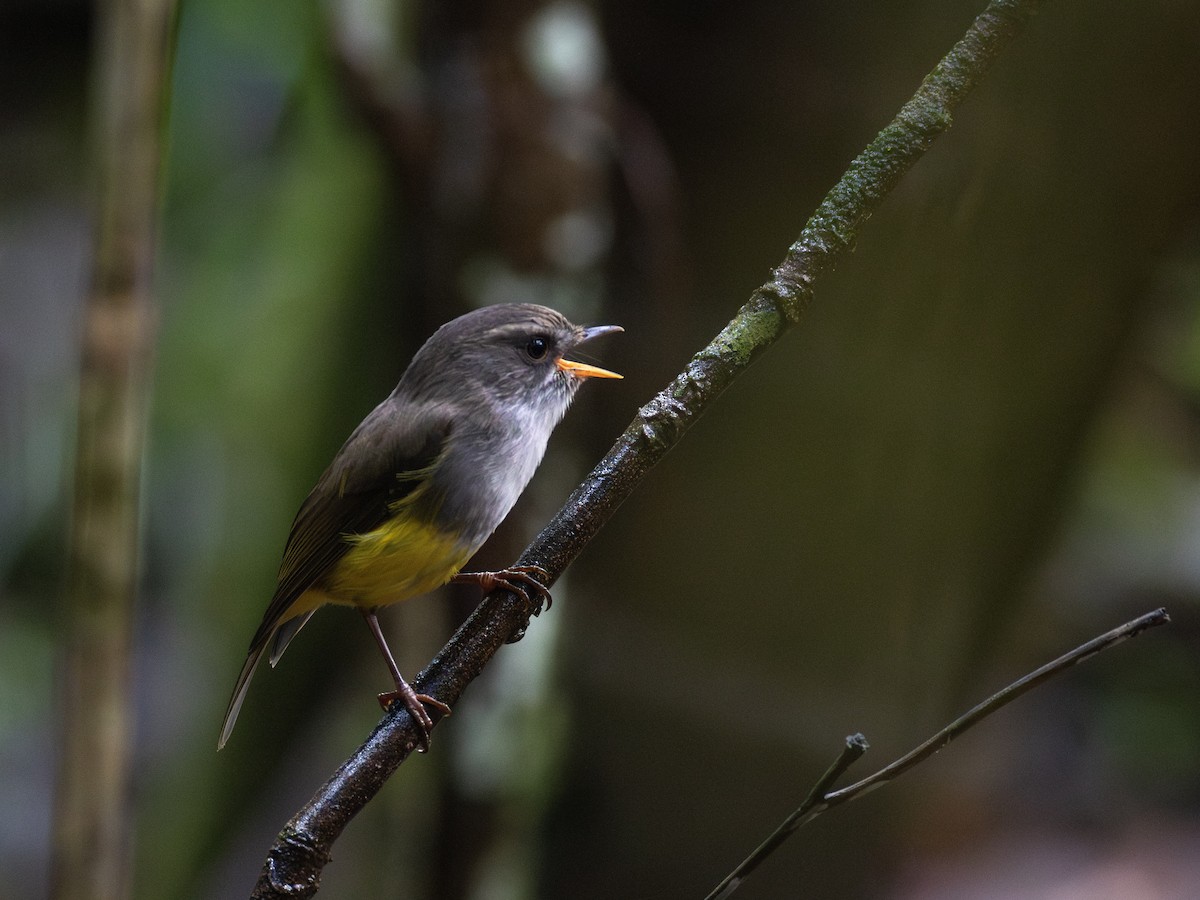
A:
{"points": [[537, 347]]}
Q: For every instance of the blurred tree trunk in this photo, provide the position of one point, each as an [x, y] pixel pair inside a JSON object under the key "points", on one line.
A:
{"points": [[92, 815]]}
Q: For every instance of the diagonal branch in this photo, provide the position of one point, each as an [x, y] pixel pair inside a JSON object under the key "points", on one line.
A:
{"points": [[293, 866]]}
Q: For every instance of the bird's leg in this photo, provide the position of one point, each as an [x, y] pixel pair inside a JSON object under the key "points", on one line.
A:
{"points": [[415, 703], [521, 581]]}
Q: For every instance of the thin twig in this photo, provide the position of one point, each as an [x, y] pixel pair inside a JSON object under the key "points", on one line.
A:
{"points": [[294, 863], [856, 746], [818, 800]]}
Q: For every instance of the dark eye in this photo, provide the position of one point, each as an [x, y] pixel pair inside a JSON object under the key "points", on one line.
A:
{"points": [[537, 347]]}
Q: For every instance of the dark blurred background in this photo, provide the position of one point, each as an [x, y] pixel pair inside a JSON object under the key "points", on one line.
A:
{"points": [[980, 448]]}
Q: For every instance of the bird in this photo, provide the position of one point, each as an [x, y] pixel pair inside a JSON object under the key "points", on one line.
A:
{"points": [[425, 479]]}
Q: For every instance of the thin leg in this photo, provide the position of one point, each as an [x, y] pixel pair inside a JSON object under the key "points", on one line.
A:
{"points": [[413, 702]]}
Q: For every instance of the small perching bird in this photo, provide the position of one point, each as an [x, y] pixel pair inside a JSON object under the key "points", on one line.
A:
{"points": [[425, 479]]}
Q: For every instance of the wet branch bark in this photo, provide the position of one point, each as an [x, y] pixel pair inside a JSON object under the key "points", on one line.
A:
{"points": [[294, 863]]}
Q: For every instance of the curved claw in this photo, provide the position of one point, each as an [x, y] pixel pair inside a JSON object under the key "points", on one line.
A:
{"points": [[521, 580], [415, 704]]}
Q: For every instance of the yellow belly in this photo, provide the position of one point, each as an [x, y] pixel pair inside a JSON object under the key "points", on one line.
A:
{"points": [[400, 559]]}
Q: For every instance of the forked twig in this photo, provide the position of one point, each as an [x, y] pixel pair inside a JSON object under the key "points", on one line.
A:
{"points": [[820, 798]]}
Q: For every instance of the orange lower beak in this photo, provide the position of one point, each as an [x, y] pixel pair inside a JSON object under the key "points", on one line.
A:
{"points": [[583, 370]]}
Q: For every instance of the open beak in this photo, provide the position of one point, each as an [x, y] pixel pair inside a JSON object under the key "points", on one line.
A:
{"points": [[583, 370]]}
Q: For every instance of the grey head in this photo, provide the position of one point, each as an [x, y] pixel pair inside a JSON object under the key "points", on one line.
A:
{"points": [[501, 377], [508, 358]]}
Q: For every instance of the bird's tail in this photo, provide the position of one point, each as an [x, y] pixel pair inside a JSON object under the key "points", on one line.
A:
{"points": [[277, 641], [284, 633], [239, 693]]}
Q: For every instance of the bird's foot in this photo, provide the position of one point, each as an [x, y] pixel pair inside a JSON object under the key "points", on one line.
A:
{"points": [[526, 582], [415, 704]]}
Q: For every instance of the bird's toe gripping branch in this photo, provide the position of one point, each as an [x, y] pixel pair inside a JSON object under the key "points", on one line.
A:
{"points": [[527, 582]]}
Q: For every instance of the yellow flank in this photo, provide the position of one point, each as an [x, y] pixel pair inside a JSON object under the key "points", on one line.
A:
{"points": [[402, 558]]}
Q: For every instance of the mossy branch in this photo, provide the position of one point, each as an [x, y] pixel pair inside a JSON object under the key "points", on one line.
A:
{"points": [[293, 866]]}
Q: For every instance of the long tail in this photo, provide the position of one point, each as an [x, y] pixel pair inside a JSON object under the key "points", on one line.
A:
{"points": [[239, 693], [277, 641]]}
